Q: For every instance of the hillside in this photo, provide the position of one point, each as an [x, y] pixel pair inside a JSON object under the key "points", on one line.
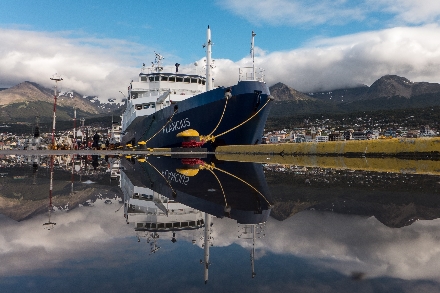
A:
{"points": [[16, 202], [390, 92], [385, 87], [369, 194], [281, 92], [21, 103]]}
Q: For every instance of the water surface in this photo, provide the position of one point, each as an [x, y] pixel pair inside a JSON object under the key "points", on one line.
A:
{"points": [[268, 227]]}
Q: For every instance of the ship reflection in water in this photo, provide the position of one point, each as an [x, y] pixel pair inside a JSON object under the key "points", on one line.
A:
{"points": [[113, 224], [164, 196]]}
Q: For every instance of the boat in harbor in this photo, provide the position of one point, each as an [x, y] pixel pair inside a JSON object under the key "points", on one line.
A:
{"points": [[169, 198], [223, 189], [166, 110]]}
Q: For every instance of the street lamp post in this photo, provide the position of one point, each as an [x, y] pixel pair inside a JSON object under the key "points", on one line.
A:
{"points": [[56, 78]]}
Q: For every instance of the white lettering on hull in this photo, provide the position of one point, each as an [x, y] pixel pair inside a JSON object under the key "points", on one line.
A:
{"points": [[176, 177], [177, 125]]}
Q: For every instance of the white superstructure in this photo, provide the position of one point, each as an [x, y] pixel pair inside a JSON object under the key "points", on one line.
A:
{"points": [[156, 90], [148, 210]]}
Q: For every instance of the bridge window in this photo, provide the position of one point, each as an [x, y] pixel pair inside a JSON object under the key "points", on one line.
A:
{"points": [[186, 79], [172, 78], [179, 79], [151, 78], [143, 78], [146, 106], [193, 80], [164, 78], [138, 107]]}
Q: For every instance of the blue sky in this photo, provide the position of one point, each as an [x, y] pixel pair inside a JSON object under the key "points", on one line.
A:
{"points": [[99, 46]]}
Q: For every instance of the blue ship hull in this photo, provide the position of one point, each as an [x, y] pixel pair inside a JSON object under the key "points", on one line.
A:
{"points": [[202, 113]]}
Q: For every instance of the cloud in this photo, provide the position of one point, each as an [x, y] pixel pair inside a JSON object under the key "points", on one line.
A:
{"points": [[409, 11], [318, 12], [103, 67], [348, 61], [89, 65], [27, 246], [285, 12], [347, 244], [344, 243]]}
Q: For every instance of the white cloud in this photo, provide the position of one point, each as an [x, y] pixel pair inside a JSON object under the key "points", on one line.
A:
{"points": [[348, 61], [347, 244], [317, 12], [28, 246], [104, 67], [288, 12], [344, 243], [409, 11], [88, 65]]}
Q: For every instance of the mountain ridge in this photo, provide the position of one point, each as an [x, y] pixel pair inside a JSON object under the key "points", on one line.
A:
{"points": [[24, 101], [21, 103], [387, 86], [390, 92]]}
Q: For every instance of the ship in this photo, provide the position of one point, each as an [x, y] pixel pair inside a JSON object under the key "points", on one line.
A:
{"points": [[170, 110], [223, 189], [165, 198]]}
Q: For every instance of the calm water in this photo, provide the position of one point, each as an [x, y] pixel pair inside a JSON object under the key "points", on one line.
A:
{"points": [[172, 225]]}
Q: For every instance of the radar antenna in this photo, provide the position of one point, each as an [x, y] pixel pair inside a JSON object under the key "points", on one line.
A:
{"points": [[157, 62]]}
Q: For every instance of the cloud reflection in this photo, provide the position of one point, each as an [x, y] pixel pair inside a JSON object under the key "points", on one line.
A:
{"points": [[344, 243]]}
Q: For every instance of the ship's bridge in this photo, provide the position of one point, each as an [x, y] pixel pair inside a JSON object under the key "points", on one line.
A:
{"points": [[179, 84]]}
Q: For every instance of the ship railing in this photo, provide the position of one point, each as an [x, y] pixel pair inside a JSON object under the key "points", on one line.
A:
{"points": [[248, 73]]}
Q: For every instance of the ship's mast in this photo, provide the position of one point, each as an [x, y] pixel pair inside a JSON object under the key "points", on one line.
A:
{"points": [[208, 60], [253, 55], [253, 252], [206, 244]]}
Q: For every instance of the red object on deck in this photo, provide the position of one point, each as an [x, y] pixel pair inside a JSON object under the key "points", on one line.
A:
{"points": [[190, 161], [192, 144]]}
